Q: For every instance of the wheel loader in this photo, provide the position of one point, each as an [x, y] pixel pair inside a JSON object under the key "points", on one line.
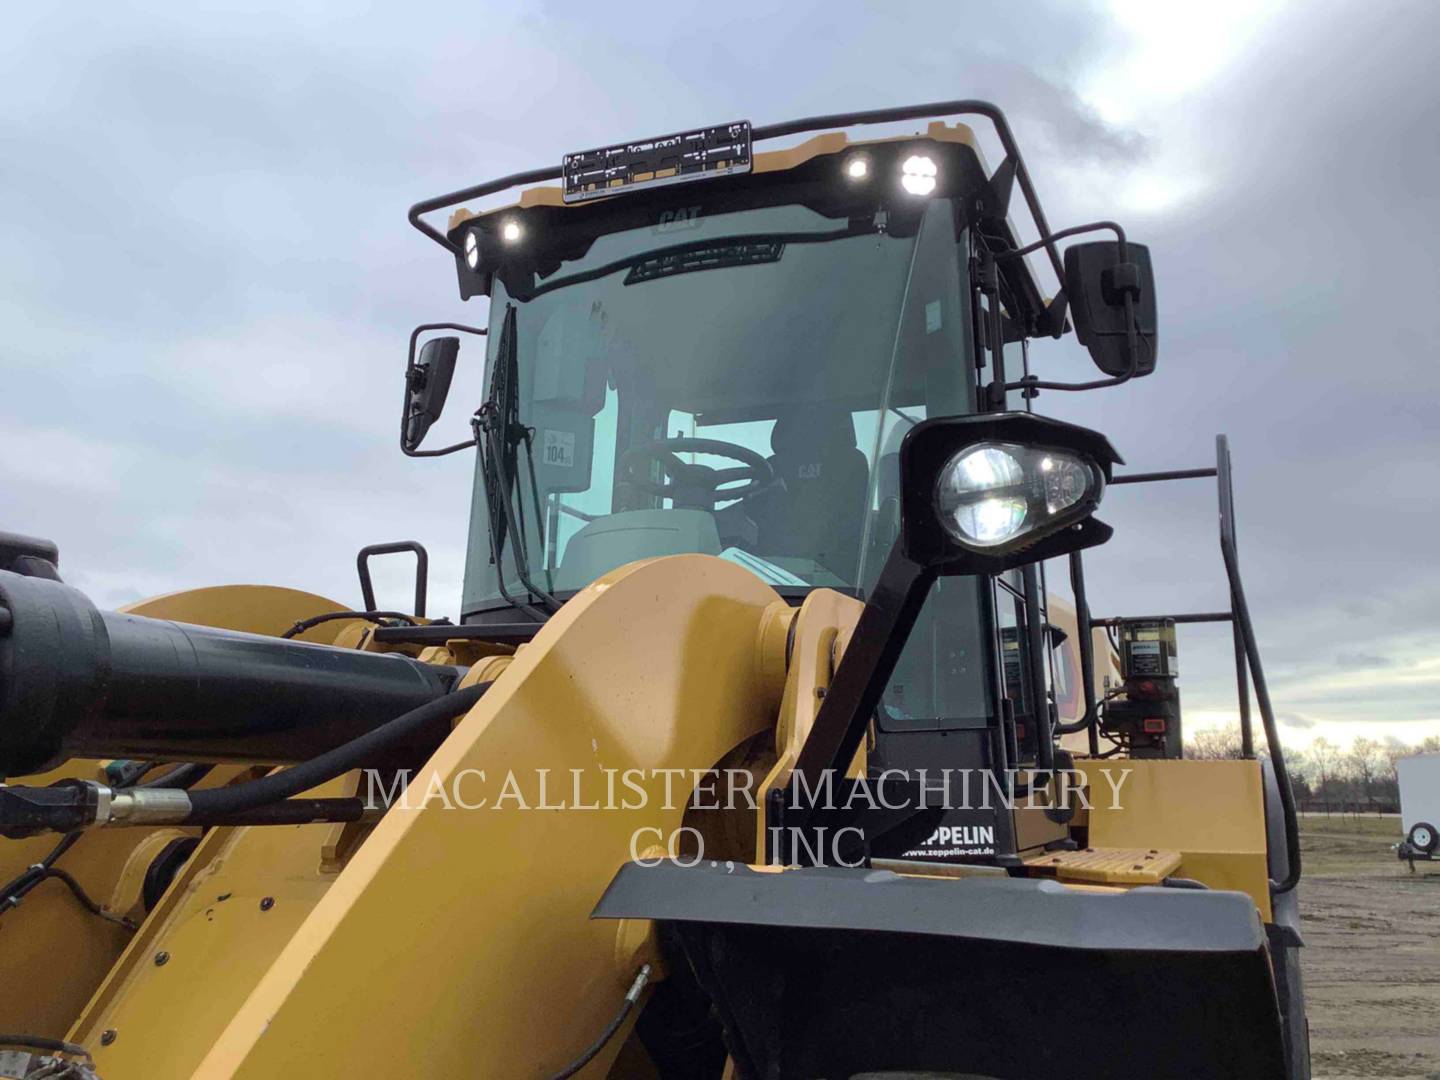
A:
{"points": [[756, 746]]}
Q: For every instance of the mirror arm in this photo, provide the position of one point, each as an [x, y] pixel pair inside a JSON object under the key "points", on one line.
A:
{"points": [[1029, 385], [1063, 234], [412, 374]]}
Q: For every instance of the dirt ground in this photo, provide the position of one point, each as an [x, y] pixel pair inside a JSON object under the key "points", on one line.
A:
{"points": [[1372, 951]]}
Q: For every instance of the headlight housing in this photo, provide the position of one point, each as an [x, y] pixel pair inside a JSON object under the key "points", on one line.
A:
{"points": [[991, 494], [981, 489]]}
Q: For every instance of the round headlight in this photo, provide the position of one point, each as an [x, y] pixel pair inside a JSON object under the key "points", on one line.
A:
{"points": [[472, 250], [992, 494], [918, 173]]}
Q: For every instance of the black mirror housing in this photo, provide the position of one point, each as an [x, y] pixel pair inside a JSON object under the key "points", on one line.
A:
{"points": [[1097, 283], [427, 384]]}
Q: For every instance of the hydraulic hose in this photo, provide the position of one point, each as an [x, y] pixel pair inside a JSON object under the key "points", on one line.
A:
{"points": [[72, 805], [181, 776], [631, 996], [239, 798]]}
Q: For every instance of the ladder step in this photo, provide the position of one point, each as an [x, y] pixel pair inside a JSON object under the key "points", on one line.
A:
{"points": [[1107, 866]]}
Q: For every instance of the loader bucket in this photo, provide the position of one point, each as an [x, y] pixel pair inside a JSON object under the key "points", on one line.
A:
{"points": [[836, 973]]}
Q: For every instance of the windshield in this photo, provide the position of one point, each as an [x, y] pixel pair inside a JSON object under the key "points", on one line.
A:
{"points": [[799, 349], [801, 363]]}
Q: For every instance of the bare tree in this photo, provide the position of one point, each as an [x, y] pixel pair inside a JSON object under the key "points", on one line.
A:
{"points": [[1214, 744], [1323, 757], [1364, 760], [1394, 751]]}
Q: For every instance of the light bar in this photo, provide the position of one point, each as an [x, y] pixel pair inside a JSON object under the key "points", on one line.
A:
{"points": [[697, 154]]}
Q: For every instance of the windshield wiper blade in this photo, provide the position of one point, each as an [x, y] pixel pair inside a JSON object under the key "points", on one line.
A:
{"points": [[857, 227], [709, 255], [499, 434]]}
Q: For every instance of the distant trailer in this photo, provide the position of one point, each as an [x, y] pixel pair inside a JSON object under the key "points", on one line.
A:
{"points": [[1419, 807]]}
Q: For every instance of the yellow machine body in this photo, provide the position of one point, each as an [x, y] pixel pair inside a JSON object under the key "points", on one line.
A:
{"points": [[450, 927]]}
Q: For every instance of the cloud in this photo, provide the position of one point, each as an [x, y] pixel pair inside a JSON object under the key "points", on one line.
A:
{"points": [[1362, 660]]}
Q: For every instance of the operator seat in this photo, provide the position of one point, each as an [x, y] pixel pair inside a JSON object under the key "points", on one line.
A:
{"points": [[816, 510]]}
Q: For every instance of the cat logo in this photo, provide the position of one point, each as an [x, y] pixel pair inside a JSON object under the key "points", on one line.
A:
{"points": [[809, 472], [678, 220]]}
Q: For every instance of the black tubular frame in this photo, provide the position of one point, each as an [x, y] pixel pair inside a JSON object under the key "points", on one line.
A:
{"points": [[422, 571], [932, 110], [1247, 651]]}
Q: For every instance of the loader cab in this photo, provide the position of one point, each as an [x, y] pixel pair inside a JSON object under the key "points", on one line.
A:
{"points": [[729, 366], [730, 370], [748, 406]]}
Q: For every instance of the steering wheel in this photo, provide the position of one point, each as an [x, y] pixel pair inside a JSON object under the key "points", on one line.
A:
{"points": [[694, 487]]}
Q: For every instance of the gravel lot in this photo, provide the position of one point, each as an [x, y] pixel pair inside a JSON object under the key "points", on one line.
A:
{"points": [[1372, 955]]}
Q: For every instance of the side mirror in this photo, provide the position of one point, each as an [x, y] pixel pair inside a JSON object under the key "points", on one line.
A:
{"points": [[1097, 283], [427, 383]]}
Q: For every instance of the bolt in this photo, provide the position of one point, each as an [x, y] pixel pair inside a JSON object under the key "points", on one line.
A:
{"points": [[162, 958], [107, 1036], [820, 691], [267, 903]]}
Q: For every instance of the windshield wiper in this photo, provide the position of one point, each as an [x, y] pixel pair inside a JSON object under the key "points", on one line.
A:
{"points": [[711, 255], [499, 435], [708, 253]]}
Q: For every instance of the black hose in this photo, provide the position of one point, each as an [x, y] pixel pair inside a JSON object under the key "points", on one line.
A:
{"points": [[78, 891], [40, 1042], [287, 812], [12, 891], [632, 996], [181, 776], [226, 802], [331, 616]]}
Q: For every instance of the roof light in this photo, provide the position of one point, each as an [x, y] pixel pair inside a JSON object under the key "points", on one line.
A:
{"points": [[511, 232], [472, 249], [858, 167], [918, 173]]}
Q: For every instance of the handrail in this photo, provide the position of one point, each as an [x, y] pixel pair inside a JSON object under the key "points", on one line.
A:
{"points": [[1247, 650], [422, 570]]}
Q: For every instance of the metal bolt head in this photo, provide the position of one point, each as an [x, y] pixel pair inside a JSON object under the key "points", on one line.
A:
{"points": [[267, 903], [107, 1036], [162, 958]]}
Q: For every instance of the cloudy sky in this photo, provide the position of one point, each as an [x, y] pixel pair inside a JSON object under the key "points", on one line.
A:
{"points": [[206, 278]]}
